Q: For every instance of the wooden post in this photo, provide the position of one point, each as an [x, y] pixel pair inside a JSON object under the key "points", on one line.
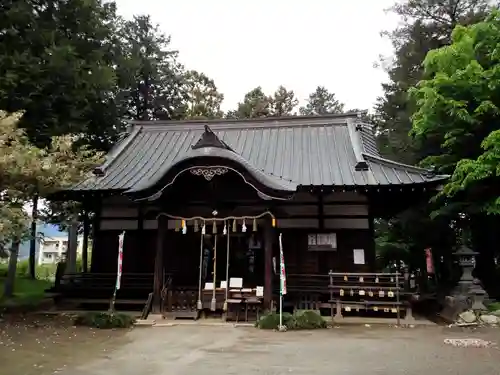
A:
{"points": [[159, 267], [268, 267], [85, 245]]}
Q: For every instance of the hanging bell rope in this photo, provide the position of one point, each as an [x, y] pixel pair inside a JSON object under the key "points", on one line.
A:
{"points": [[213, 304], [227, 274]]}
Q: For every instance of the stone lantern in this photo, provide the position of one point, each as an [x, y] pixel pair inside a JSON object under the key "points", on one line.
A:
{"points": [[468, 286]]}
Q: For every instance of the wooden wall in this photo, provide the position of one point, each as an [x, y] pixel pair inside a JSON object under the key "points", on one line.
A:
{"points": [[299, 260], [346, 214]]}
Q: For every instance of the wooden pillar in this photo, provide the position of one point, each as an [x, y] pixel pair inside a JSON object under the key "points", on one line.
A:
{"points": [[159, 267], [85, 245], [372, 257], [72, 247], [96, 227], [268, 264]]}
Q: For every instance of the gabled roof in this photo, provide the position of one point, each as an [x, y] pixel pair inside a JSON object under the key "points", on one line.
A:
{"points": [[333, 150]]}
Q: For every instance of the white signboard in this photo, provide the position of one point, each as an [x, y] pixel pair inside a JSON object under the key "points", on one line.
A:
{"points": [[359, 256]]}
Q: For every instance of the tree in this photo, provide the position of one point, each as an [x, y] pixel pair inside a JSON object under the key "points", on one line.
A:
{"points": [[26, 169], [149, 76], [321, 102], [283, 102], [202, 101], [254, 105], [427, 25], [459, 104], [56, 70]]}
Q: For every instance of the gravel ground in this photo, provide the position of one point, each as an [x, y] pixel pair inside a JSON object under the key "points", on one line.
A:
{"points": [[194, 350]]}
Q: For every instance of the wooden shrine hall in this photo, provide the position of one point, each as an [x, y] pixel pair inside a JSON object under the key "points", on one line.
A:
{"points": [[202, 203]]}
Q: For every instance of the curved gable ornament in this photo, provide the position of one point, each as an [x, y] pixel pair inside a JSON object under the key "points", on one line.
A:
{"points": [[209, 172]]}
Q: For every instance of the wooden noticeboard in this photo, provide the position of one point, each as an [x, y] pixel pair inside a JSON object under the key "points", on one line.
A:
{"points": [[322, 242]]}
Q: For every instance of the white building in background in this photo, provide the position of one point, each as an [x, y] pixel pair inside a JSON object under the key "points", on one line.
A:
{"points": [[53, 249]]}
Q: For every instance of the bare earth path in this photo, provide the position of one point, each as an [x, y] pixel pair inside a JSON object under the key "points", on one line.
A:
{"points": [[192, 350], [221, 350]]}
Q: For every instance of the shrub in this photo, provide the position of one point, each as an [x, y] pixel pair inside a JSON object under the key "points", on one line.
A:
{"points": [[105, 320], [494, 306], [299, 320], [309, 320]]}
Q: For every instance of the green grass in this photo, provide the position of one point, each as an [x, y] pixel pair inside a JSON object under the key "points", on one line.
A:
{"points": [[27, 292]]}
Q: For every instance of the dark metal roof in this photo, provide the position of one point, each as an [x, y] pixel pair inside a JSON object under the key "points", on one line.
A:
{"points": [[334, 150]]}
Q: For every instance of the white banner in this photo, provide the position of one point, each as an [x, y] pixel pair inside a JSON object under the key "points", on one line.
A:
{"points": [[121, 238], [282, 270]]}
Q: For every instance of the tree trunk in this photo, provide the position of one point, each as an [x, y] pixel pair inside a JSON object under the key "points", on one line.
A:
{"points": [[32, 259], [11, 273]]}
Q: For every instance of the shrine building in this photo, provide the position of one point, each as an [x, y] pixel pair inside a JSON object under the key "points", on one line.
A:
{"points": [[202, 204]]}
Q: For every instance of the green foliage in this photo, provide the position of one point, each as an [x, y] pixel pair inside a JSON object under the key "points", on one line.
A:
{"points": [[203, 101], [494, 306], [254, 105], [283, 103], [149, 76], [60, 72], [459, 104], [299, 320], [321, 102], [26, 170], [426, 25], [105, 320]]}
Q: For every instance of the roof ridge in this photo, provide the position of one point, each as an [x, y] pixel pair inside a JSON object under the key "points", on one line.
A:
{"points": [[226, 124]]}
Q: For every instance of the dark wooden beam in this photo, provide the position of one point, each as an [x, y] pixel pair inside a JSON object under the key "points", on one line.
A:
{"points": [[136, 218], [248, 203]]}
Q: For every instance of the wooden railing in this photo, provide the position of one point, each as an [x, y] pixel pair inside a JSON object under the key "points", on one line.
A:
{"points": [[94, 287], [348, 292]]}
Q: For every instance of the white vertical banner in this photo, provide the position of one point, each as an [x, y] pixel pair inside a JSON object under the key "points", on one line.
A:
{"points": [[121, 238], [282, 270], [282, 282]]}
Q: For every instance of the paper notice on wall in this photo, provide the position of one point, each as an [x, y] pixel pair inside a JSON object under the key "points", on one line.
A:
{"points": [[359, 256], [259, 291]]}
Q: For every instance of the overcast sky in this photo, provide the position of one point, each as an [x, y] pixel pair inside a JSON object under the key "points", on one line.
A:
{"points": [[296, 43]]}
